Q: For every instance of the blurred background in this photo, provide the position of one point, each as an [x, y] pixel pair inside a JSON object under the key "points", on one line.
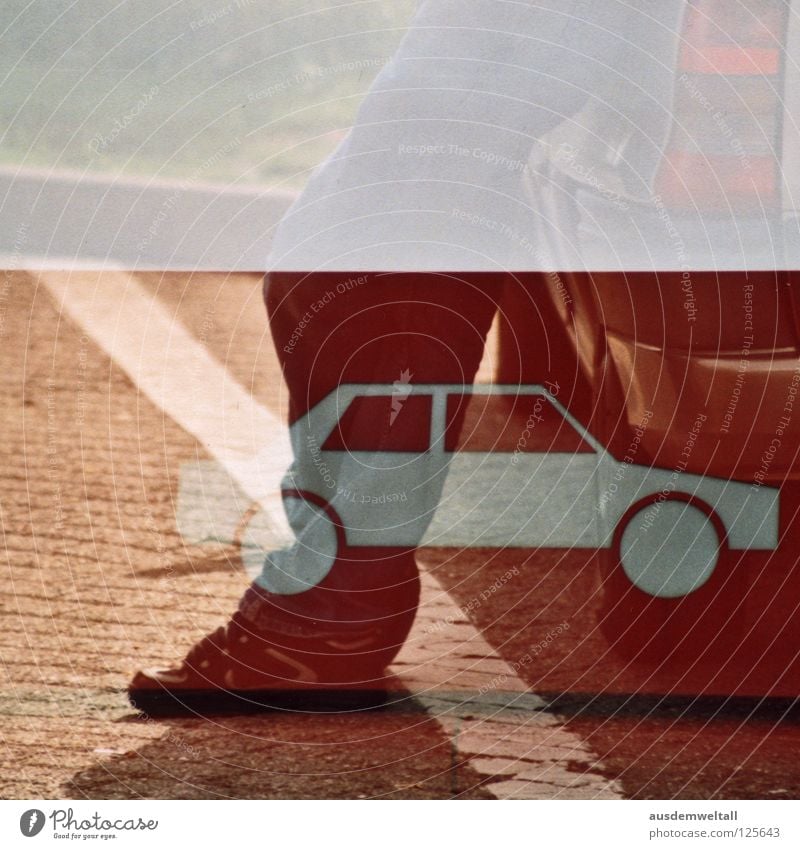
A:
{"points": [[161, 90]]}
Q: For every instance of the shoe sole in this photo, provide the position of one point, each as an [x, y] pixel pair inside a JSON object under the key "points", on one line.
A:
{"points": [[206, 702]]}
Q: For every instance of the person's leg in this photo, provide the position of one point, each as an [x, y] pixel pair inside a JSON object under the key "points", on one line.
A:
{"points": [[427, 179], [318, 618], [389, 329]]}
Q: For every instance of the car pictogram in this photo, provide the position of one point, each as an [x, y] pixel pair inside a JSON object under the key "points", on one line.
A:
{"points": [[523, 473]]}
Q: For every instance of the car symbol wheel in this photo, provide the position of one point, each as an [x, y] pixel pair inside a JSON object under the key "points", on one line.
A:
{"points": [[669, 549], [290, 566], [670, 584]]}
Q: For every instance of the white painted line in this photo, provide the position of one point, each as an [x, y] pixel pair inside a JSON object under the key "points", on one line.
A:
{"points": [[483, 706], [177, 374]]}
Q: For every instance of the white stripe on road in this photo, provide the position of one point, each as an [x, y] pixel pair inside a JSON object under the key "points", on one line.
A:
{"points": [[174, 371], [484, 707]]}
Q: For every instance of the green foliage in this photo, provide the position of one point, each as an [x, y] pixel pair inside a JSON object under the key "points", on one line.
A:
{"points": [[159, 88]]}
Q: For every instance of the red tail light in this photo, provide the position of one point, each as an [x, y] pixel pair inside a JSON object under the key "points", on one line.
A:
{"points": [[731, 37], [723, 150]]}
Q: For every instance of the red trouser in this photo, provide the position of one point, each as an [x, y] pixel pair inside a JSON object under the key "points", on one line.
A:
{"points": [[331, 329]]}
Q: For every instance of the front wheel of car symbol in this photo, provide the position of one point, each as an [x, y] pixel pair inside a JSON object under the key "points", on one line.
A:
{"points": [[670, 595]]}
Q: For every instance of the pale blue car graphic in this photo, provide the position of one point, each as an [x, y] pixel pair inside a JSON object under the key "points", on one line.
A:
{"points": [[668, 524]]}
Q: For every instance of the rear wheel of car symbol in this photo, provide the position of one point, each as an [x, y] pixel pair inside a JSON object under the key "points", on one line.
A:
{"points": [[377, 584], [669, 588], [294, 565]]}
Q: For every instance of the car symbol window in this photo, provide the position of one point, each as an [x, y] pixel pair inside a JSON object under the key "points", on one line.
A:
{"points": [[509, 423], [383, 423]]}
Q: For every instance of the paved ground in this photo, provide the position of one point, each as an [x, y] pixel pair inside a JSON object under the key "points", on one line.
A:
{"points": [[98, 582]]}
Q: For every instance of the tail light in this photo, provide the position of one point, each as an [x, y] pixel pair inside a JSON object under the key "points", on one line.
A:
{"points": [[724, 147]]}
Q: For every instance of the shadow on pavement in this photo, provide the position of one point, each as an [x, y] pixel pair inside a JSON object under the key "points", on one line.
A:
{"points": [[282, 755]]}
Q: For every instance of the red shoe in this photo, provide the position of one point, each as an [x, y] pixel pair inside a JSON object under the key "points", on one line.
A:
{"points": [[266, 657], [237, 667]]}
